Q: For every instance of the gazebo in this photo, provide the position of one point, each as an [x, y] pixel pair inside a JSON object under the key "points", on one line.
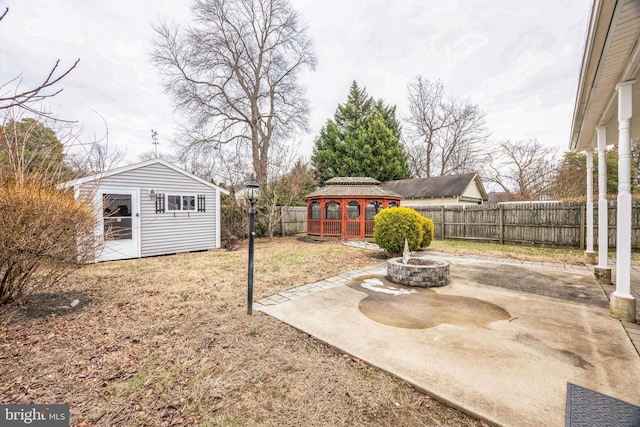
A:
{"points": [[345, 207]]}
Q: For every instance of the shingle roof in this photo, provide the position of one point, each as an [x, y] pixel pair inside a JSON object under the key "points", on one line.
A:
{"points": [[353, 186], [433, 187]]}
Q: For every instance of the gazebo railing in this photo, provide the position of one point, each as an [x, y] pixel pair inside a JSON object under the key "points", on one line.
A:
{"points": [[352, 229], [368, 228], [313, 226], [332, 228]]}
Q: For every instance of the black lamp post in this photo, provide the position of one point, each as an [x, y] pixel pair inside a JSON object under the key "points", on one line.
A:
{"points": [[252, 193]]}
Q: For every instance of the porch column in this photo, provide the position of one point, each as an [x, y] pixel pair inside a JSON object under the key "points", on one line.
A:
{"points": [[623, 305], [602, 271], [589, 255]]}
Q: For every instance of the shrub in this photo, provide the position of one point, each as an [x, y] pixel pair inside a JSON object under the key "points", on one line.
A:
{"points": [[393, 225], [427, 231], [40, 227]]}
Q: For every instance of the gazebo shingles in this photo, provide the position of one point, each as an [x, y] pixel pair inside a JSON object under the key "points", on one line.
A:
{"points": [[358, 186]]}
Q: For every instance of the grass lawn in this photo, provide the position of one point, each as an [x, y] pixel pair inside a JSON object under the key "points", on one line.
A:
{"points": [[167, 341], [527, 253]]}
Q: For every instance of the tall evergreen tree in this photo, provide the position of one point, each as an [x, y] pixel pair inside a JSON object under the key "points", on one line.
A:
{"points": [[28, 147], [363, 139]]}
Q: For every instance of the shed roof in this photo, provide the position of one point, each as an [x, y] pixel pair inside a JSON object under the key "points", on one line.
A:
{"points": [[134, 166], [353, 186], [435, 186]]}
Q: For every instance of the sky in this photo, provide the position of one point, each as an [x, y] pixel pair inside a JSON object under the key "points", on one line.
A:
{"points": [[518, 60]]}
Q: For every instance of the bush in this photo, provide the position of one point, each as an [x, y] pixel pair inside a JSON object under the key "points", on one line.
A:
{"points": [[393, 225], [427, 231], [40, 227]]}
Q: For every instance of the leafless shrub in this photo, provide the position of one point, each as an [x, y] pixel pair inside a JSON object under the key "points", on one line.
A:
{"points": [[45, 231], [40, 227]]}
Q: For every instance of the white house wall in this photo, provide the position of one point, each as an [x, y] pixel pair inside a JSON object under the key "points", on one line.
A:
{"points": [[169, 232], [472, 190], [411, 203]]}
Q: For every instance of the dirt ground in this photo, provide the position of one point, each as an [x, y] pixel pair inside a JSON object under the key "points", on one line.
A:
{"points": [[167, 341]]}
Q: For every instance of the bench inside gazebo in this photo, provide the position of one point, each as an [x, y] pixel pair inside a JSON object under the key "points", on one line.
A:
{"points": [[345, 207]]}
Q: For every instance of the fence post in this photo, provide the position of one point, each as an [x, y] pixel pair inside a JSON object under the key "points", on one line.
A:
{"points": [[501, 224], [583, 214], [464, 225], [282, 233], [442, 214]]}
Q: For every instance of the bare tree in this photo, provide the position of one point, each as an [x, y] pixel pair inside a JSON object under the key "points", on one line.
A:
{"points": [[234, 74], [290, 179], [525, 169], [444, 136], [92, 155], [45, 230]]}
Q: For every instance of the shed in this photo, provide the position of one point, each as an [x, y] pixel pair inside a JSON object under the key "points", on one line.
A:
{"points": [[460, 189], [345, 207], [152, 208]]}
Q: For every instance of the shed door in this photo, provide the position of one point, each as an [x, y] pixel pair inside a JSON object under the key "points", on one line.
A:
{"points": [[120, 224]]}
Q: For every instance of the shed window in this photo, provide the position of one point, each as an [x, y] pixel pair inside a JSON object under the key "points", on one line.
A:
{"points": [[183, 203], [332, 211], [188, 203], [314, 210], [353, 210], [117, 216]]}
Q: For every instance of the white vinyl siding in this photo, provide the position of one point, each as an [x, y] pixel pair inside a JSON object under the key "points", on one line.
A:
{"points": [[170, 231], [472, 190], [408, 203]]}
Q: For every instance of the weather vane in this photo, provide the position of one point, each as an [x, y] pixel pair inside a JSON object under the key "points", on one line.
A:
{"points": [[154, 136]]}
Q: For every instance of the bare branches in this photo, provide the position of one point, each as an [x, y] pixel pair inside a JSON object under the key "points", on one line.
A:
{"points": [[233, 73], [38, 93], [444, 136], [525, 169], [14, 97]]}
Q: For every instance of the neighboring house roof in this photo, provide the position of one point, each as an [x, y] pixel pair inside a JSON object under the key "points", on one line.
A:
{"points": [[499, 197], [353, 186], [611, 56], [134, 166], [436, 186]]}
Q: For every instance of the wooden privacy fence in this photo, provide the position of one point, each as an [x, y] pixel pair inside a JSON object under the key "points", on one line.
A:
{"points": [[293, 220], [530, 223]]}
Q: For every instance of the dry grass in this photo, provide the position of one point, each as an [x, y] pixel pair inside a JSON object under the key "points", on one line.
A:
{"points": [[166, 341], [519, 252]]}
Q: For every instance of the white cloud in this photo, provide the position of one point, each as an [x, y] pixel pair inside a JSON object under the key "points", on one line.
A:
{"points": [[518, 60]]}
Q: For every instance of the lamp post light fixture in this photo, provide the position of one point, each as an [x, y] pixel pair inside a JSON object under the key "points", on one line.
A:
{"points": [[252, 193]]}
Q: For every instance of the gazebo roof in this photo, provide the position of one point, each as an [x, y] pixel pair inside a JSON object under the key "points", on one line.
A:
{"points": [[353, 186]]}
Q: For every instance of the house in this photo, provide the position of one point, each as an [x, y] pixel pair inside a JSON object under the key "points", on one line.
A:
{"points": [[607, 112], [461, 189], [345, 207], [152, 208]]}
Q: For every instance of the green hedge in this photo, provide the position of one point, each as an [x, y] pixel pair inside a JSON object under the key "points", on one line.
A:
{"points": [[428, 231], [393, 225]]}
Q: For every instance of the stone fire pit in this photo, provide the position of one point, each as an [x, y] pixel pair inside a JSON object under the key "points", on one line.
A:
{"points": [[419, 272]]}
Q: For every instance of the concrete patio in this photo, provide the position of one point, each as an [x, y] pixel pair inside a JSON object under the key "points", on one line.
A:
{"points": [[500, 342]]}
